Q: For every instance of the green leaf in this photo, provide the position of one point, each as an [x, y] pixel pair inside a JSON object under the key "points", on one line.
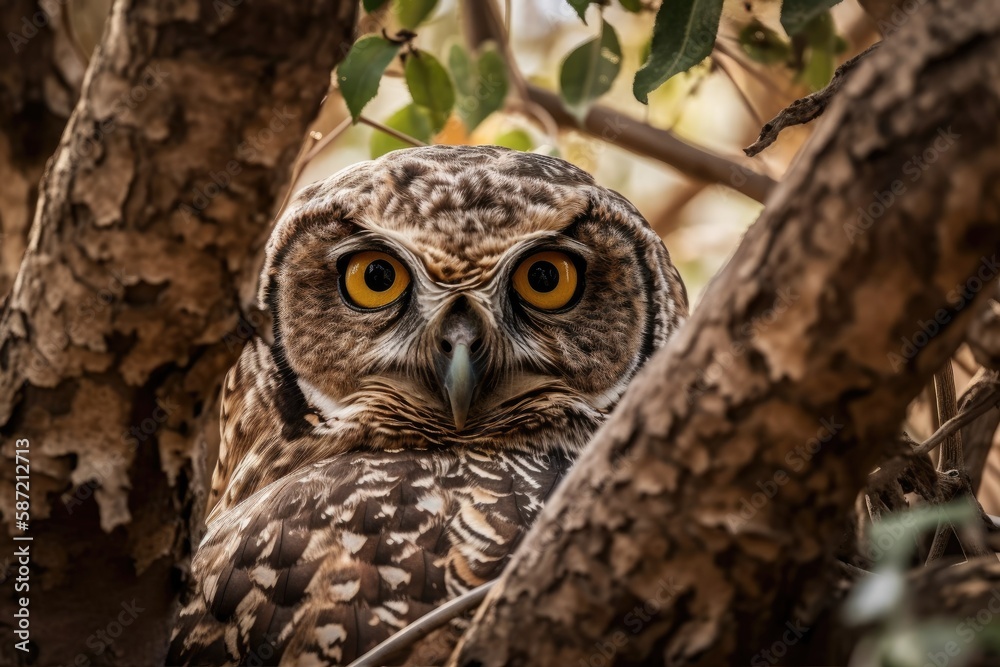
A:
{"points": [[683, 36], [410, 120], [589, 70], [634, 6], [517, 139], [372, 5], [818, 70], [362, 69], [480, 83], [430, 86], [581, 8], [820, 35], [411, 13], [763, 45], [894, 534], [796, 14]]}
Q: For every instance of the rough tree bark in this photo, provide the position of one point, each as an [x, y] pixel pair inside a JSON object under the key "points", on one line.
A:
{"points": [[111, 344], [40, 79], [790, 380]]}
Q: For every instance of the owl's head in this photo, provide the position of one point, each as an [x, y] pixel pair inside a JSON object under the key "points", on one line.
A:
{"points": [[480, 295]]}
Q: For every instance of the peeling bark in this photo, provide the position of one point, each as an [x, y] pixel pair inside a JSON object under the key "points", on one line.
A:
{"points": [[114, 339], [40, 78], [789, 381]]}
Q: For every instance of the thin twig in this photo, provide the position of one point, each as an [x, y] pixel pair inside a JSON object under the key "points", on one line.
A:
{"points": [[766, 81], [486, 14], [952, 463], [405, 138], [972, 410], [506, 19], [307, 157], [807, 108], [325, 141], [662, 145], [540, 115], [946, 408], [852, 571], [423, 626], [739, 91], [977, 437]]}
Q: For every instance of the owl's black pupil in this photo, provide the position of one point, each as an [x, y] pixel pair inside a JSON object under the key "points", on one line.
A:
{"points": [[379, 275], [543, 276]]}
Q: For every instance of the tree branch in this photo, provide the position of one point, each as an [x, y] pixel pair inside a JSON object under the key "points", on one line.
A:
{"points": [[632, 135], [482, 24]]}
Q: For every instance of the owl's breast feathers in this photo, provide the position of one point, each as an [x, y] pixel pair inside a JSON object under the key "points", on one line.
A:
{"points": [[334, 558]]}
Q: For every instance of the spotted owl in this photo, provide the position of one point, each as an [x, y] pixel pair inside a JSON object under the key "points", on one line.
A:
{"points": [[450, 326]]}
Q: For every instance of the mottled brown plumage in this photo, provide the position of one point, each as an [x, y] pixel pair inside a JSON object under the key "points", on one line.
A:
{"points": [[376, 461]]}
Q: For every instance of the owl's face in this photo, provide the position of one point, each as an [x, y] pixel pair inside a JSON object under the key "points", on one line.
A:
{"points": [[456, 294]]}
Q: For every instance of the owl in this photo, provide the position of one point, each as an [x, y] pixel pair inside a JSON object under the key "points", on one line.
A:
{"points": [[450, 326]]}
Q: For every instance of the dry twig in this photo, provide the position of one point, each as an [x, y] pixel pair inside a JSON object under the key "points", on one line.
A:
{"points": [[423, 626], [805, 109]]}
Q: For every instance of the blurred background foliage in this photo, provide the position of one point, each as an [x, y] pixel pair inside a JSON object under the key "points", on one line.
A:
{"points": [[755, 69]]}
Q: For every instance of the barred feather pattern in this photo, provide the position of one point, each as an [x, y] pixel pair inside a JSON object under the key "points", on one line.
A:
{"points": [[372, 541]]}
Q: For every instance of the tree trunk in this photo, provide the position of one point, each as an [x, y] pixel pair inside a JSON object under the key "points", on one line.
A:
{"points": [[703, 517], [39, 84], [112, 343]]}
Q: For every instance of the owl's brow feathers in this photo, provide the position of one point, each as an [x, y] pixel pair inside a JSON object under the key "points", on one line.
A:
{"points": [[460, 212]]}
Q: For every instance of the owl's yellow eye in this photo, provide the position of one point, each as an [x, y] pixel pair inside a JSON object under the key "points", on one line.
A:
{"points": [[374, 279], [546, 280]]}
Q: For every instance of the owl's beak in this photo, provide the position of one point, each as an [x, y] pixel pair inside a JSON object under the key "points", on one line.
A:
{"points": [[460, 338], [460, 384]]}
